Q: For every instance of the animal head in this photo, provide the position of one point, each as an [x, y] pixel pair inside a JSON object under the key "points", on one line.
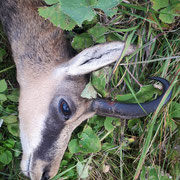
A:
{"points": [[50, 104], [51, 107]]}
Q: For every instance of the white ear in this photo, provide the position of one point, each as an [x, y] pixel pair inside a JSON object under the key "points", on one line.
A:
{"points": [[96, 57]]}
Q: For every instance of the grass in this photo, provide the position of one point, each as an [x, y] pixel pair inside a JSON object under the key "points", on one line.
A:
{"points": [[145, 148]]}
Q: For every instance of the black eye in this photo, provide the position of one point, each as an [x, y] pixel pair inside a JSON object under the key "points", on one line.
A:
{"points": [[64, 109]]}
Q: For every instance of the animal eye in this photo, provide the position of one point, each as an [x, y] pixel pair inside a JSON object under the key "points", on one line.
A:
{"points": [[64, 109]]}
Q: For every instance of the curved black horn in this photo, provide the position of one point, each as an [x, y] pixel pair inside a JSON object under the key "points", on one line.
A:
{"points": [[104, 107]]}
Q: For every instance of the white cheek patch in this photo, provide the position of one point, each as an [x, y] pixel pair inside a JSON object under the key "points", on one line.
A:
{"points": [[31, 136]]}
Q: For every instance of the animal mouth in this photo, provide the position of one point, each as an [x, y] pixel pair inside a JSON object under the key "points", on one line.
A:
{"points": [[28, 166]]}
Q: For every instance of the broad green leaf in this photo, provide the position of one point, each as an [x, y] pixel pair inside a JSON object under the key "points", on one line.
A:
{"points": [[74, 146], [82, 169], [89, 92], [158, 4], [175, 113], [172, 125], [106, 146], [144, 94], [57, 17], [99, 79], [153, 173], [91, 2], [110, 123], [106, 6], [89, 141], [78, 10], [96, 122], [50, 2], [68, 155], [9, 143], [97, 32], [3, 97], [2, 53], [168, 9], [5, 157], [3, 85], [168, 17], [64, 163], [13, 98], [136, 125], [9, 119], [13, 129], [82, 41], [17, 149]]}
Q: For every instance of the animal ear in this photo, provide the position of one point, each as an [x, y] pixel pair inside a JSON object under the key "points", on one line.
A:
{"points": [[96, 57]]}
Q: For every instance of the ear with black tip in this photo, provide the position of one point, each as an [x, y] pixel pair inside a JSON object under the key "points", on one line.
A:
{"points": [[96, 57]]}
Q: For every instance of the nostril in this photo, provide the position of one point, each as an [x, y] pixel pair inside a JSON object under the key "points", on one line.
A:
{"points": [[45, 175]]}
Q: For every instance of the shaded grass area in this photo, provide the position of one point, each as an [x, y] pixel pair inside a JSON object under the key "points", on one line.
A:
{"points": [[145, 148]]}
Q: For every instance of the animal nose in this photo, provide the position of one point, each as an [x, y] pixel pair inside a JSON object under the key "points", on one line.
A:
{"points": [[45, 175]]}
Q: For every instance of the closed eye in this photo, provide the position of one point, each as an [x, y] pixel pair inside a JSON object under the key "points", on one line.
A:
{"points": [[64, 109]]}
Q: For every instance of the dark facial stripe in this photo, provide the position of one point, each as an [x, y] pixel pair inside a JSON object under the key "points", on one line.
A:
{"points": [[50, 134]]}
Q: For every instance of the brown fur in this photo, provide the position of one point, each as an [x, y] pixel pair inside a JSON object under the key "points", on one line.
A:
{"points": [[36, 44]]}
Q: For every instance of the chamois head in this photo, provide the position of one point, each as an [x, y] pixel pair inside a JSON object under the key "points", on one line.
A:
{"points": [[51, 107], [50, 104]]}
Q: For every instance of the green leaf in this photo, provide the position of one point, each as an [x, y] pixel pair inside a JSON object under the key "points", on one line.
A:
{"points": [[13, 98], [91, 2], [50, 2], [9, 143], [6, 157], [158, 4], [82, 41], [17, 149], [135, 125], [74, 146], [106, 6], [3, 97], [168, 9], [172, 125], [3, 85], [99, 79], [97, 32], [144, 94], [2, 53], [106, 146], [166, 15], [78, 10], [110, 123], [175, 110], [82, 170], [57, 17], [13, 129], [89, 92], [9, 119], [89, 142], [153, 173]]}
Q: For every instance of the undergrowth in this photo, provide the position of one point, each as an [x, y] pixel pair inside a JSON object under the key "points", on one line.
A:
{"points": [[144, 148]]}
